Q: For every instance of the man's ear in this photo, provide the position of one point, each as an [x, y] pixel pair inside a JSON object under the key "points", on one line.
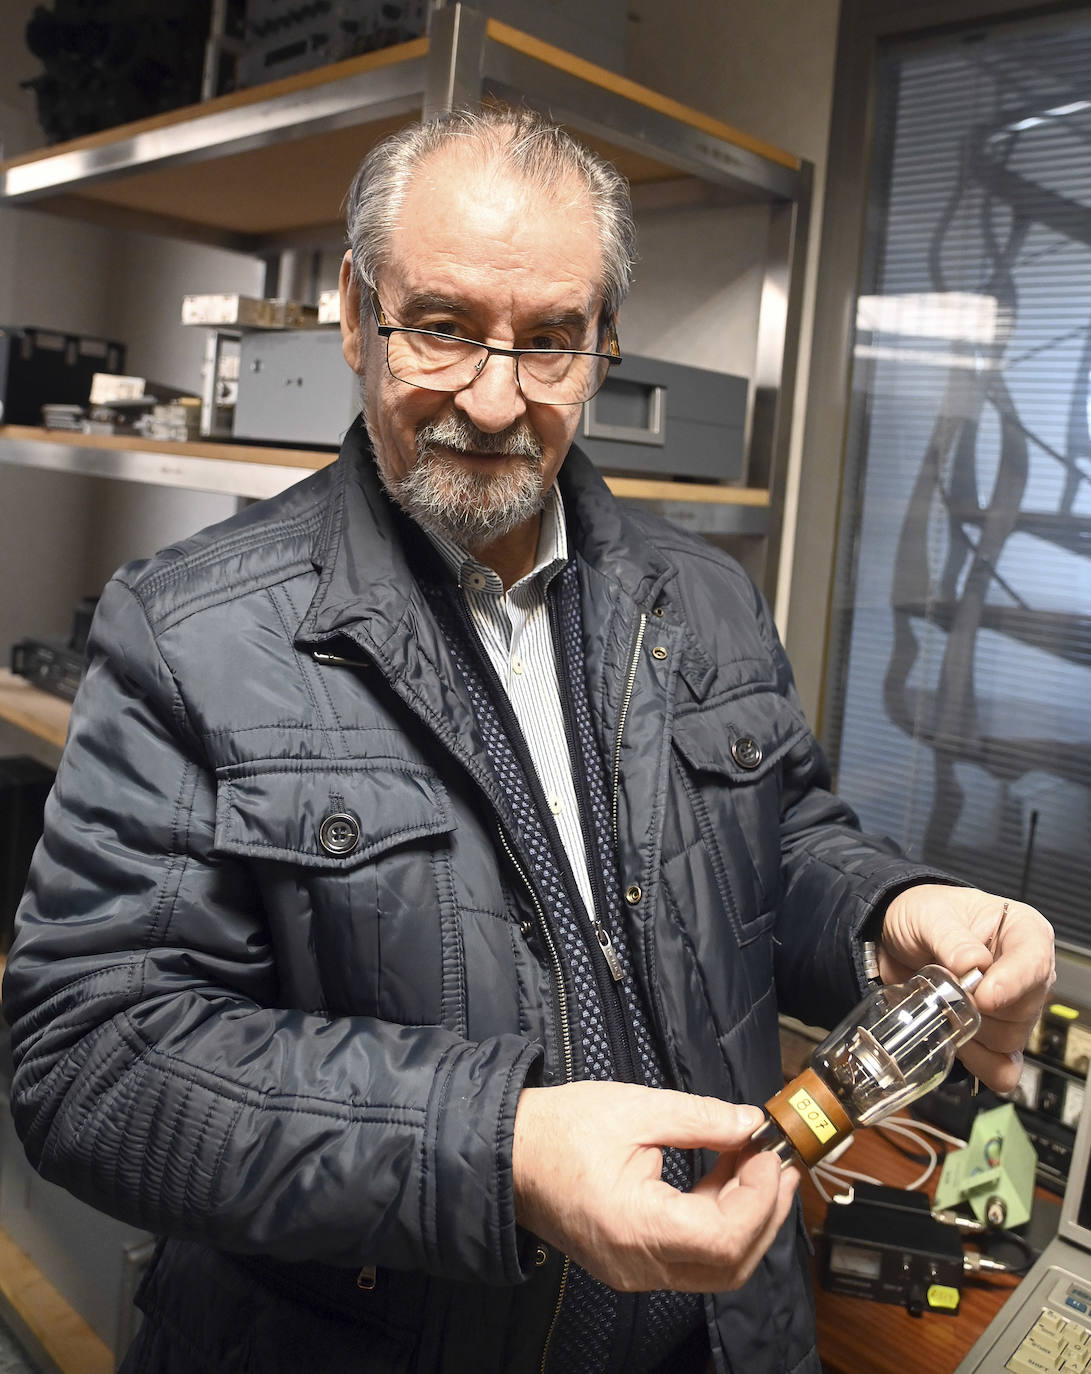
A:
{"points": [[352, 338]]}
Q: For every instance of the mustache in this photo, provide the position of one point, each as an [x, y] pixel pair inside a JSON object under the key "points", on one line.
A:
{"points": [[463, 436]]}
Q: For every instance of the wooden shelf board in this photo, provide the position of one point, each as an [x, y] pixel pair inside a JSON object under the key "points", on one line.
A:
{"points": [[621, 85], [245, 193], [239, 193], [308, 459], [628, 488], [702, 493], [40, 713], [286, 87], [40, 1313]]}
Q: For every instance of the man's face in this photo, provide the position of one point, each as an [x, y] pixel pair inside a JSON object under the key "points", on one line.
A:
{"points": [[478, 253]]}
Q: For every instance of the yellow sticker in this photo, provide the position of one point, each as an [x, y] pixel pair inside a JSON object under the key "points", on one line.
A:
{"points": [[1067, 1013], [939, 1295], [812, 1115]]}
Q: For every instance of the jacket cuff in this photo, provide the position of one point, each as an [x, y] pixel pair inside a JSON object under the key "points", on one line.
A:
{"points": [[867, 936], [467, 1186]]}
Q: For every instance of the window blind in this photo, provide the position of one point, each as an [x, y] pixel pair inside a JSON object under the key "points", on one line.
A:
{"points": [[960, 695]]}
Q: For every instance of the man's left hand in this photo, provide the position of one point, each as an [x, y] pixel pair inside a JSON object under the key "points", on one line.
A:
{"points": [[961, 929]]}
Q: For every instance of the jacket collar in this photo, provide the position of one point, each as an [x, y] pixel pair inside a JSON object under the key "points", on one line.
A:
{"points": [[367, 589]]}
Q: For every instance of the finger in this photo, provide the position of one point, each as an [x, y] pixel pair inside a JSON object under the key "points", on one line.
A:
{"points": [[713, 1241], [1003, 1036], [998, 1071], [787, 1182], [699, 1123]]}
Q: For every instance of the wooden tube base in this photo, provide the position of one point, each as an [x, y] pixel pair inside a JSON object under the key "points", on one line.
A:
{"points": [[810, 1116]]}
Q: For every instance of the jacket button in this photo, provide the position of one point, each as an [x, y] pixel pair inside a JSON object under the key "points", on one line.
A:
{"points": [[525, 928], [658, 610], [633, 894], [746, 752], [659, 652], [540, 1256], [339, 833]]}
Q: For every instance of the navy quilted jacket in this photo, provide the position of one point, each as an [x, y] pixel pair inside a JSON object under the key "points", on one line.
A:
{"points": [[298, 1065]]}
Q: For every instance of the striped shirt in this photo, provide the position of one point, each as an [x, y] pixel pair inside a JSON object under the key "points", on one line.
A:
{"points": [[515, 632]]}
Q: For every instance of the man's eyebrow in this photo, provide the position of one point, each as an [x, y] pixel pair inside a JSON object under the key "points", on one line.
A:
{"points": [[428, 302], [576, 319], [434, 302]]}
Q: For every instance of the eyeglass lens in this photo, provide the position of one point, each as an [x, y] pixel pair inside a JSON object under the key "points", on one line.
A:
{"points": [[441, 364]]}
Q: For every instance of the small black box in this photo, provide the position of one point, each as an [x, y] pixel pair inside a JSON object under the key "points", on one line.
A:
{"points": [[24, 786], [887, 1246], [45, 367]]}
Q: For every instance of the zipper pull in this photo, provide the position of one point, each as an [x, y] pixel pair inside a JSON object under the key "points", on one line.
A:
{"points": [[613, 963], [335, 660]]}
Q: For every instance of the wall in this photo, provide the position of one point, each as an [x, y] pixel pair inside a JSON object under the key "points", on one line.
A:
{"points": [[765, 66]]}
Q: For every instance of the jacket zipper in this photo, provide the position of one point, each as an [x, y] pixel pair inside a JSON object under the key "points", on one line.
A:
{"points": [[554, 959], [626, 697], [556, 1313]]}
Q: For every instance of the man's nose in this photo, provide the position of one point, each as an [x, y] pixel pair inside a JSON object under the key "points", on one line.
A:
{"points": [[493, 400]]}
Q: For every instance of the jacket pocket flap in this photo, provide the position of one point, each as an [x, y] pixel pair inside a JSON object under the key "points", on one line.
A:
{"points": [[741, 739], [327, 816]]}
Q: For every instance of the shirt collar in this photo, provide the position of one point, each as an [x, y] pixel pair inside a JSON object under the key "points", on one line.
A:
{"points": [[551, 556]]}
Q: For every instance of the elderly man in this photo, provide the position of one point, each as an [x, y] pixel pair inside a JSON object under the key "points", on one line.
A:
{"points": [[433, 849]]}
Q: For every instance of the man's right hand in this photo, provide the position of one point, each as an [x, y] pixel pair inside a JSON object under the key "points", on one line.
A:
{"points": [[587, 1159]]}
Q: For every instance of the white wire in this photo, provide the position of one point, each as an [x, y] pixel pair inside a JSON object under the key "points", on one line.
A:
{"points": [[847, 1175], [907, 1127], [818, 1185], [925, 1126], [893, 1124]]}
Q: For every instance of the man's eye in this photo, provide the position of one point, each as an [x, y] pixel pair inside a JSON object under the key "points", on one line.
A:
{"points": [[550, 342]]}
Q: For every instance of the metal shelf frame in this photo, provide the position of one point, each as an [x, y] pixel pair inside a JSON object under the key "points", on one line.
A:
{"points": [[169, 174]]}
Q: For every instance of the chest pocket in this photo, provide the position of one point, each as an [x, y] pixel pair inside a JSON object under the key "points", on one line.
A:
{"points": [[352, 861], [327, 817], [731, 760]]}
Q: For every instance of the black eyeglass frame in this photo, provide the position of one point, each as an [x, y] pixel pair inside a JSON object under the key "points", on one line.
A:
{"points": [[385, 330]]}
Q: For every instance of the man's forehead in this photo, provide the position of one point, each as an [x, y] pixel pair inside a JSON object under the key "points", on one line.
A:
{"points": [[465, 216]]}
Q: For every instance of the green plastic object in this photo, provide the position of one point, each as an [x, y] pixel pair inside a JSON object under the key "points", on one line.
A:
{"points": [[994, 1174]]}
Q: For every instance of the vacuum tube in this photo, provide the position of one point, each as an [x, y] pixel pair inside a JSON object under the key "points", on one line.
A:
{"points": [[893, 1048]]}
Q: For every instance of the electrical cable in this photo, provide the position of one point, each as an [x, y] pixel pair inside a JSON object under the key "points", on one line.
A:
{"points": [[929, 1129], [993, 1238], [894, 1124]]}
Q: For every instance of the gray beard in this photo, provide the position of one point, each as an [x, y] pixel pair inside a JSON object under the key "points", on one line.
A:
{"points": [[473, 509]]}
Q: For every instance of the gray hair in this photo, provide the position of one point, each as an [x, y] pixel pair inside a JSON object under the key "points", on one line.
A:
{"points": [[518, 138]]}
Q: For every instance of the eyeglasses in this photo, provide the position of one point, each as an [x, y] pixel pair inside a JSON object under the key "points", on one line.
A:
{"points": [[445, 362]]}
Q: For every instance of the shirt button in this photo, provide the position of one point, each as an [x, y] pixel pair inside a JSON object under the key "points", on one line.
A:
{"points": [[517, 666], [556, 805], [475, 580]]}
